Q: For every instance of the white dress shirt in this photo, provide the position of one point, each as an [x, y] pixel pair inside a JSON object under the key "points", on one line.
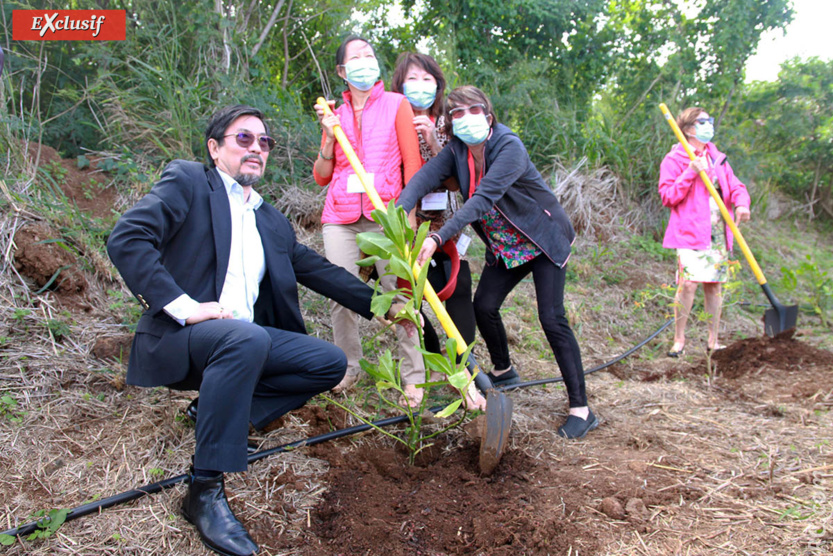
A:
{"points": [[246, 266]]}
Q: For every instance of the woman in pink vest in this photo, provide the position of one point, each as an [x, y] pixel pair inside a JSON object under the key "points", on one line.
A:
{"points": [[696, 229], [380, 128]]}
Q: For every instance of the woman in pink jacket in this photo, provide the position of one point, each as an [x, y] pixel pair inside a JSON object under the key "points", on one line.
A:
{"points": [[696, 229], [380, 127]]}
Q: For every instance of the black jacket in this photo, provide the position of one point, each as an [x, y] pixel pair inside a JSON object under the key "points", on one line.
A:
{"points": [[510, 182], [177, 240]]}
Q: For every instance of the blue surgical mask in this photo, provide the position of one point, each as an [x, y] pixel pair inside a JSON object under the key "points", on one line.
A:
{"points": [[420, 94], [471, 129], [704, 132], [362, 73]]}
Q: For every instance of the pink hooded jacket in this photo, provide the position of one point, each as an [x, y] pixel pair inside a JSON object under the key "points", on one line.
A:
{"points": [[682, 190]]}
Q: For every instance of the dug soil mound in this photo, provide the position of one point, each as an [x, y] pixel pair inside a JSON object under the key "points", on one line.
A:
{"points": [[784, 352], [377, 504], [767, 370], [42, 256]]}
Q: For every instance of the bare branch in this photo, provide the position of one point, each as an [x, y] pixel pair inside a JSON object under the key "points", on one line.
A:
{"points": [[269, 25], [249, 11], [286, 45], [218, 5]]}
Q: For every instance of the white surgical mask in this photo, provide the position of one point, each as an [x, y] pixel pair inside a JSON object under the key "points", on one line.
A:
{"points": [[362, 73], [471, 129], [420, 94], [704, 132]]}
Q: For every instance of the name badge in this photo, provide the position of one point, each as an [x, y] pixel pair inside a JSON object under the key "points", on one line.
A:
{"points": [[463, 244], [354, 184], [435, 201]]}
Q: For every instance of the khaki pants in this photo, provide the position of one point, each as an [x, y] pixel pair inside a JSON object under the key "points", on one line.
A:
{"points": [[341, 249]]}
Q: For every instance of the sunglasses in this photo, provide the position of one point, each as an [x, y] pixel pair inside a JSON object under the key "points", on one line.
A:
{"points": [[245, 139], [475, 109], [705, 120]]}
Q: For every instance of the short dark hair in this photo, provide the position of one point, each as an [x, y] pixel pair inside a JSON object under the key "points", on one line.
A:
{"points": [[223, 118], [687, 117], [466, 96], [427, 63], [342, 49]]}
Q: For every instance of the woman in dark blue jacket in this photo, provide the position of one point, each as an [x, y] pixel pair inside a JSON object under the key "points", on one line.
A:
{"points": [[524, 228]]}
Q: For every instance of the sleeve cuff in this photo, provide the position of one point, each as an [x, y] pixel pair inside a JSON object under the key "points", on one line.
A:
{"points": [[181, 308]]}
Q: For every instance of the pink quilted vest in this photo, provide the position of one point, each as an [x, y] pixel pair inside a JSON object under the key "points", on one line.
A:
{"points": [[378, 151]]}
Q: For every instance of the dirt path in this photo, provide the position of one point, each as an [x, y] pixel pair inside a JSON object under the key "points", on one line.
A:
{"points": [[684, 463], [697, 456]]}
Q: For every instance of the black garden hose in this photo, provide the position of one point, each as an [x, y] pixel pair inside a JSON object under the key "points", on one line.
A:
{"points": [[138, 492]]}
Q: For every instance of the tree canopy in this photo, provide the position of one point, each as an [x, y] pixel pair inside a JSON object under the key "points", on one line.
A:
{"points": [[575, 79]]}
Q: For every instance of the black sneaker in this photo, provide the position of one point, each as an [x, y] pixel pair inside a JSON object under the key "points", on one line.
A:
{"points": [[576, 427], [508, 378]]}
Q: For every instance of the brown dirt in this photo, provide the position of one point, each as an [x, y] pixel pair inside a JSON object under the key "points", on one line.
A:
{"points": [[41, 252], [84, 187], [377, 504], [41, 255], [777, 370], [693, 457]]}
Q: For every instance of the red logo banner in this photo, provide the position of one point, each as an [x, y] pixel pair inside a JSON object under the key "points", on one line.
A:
{"points": [[69, 25]]}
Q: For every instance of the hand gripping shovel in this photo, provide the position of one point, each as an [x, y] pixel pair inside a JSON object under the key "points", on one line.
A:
{"points": [[781, 317], [495, 433]]}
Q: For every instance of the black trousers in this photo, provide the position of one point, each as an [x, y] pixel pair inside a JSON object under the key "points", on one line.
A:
{"points": [[250, 373], [496, 282], [459, 305]]}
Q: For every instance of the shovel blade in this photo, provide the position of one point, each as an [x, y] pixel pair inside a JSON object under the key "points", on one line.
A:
{"points": [[495, 434], [780, 318]]}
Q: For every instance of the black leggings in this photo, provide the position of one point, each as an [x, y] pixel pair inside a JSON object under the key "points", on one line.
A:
{"points": [[495, 284], [459, 305]]}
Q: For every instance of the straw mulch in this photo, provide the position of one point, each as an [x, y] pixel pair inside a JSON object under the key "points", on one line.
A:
{"points": [[686, 461]]}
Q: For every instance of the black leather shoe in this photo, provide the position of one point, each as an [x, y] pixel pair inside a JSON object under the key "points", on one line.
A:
{"points": [[191, 410], [206, 507], [191, 413], [508, 378]]}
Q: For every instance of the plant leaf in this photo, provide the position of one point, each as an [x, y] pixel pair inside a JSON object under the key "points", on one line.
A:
{"points": [[400, 268], [374, 243], [380, 304], [368, 261], [422, 233], [449, 409], [459, 380]]}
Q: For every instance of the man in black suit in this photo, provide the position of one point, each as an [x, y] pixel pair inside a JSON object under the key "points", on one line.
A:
{"points": [[216, 270]]}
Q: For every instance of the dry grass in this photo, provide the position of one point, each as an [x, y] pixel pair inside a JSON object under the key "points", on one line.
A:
{"points": [[594, 201], [757, 473]]}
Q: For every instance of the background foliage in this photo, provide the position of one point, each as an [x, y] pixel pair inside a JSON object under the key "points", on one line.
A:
{"points": [[579, 81]]}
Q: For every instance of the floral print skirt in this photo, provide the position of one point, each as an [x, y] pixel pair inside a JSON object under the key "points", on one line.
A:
{"points": [[706, 265]]}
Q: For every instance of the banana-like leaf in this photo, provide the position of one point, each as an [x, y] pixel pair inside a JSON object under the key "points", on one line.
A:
{"points": [[459, 380], [368, 261], [449, 409], [374, 243], [422, 233], [380, 304], [400, 268]]}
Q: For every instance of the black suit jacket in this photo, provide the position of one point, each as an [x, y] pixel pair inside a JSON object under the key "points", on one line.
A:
{"points": [[176, 240]]}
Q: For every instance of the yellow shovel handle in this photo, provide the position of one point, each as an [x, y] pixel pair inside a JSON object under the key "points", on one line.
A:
{"points": [[727, 216], [370, 190]]}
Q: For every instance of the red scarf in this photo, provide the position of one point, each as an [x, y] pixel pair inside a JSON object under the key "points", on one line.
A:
{"points": [[473, 183]]}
